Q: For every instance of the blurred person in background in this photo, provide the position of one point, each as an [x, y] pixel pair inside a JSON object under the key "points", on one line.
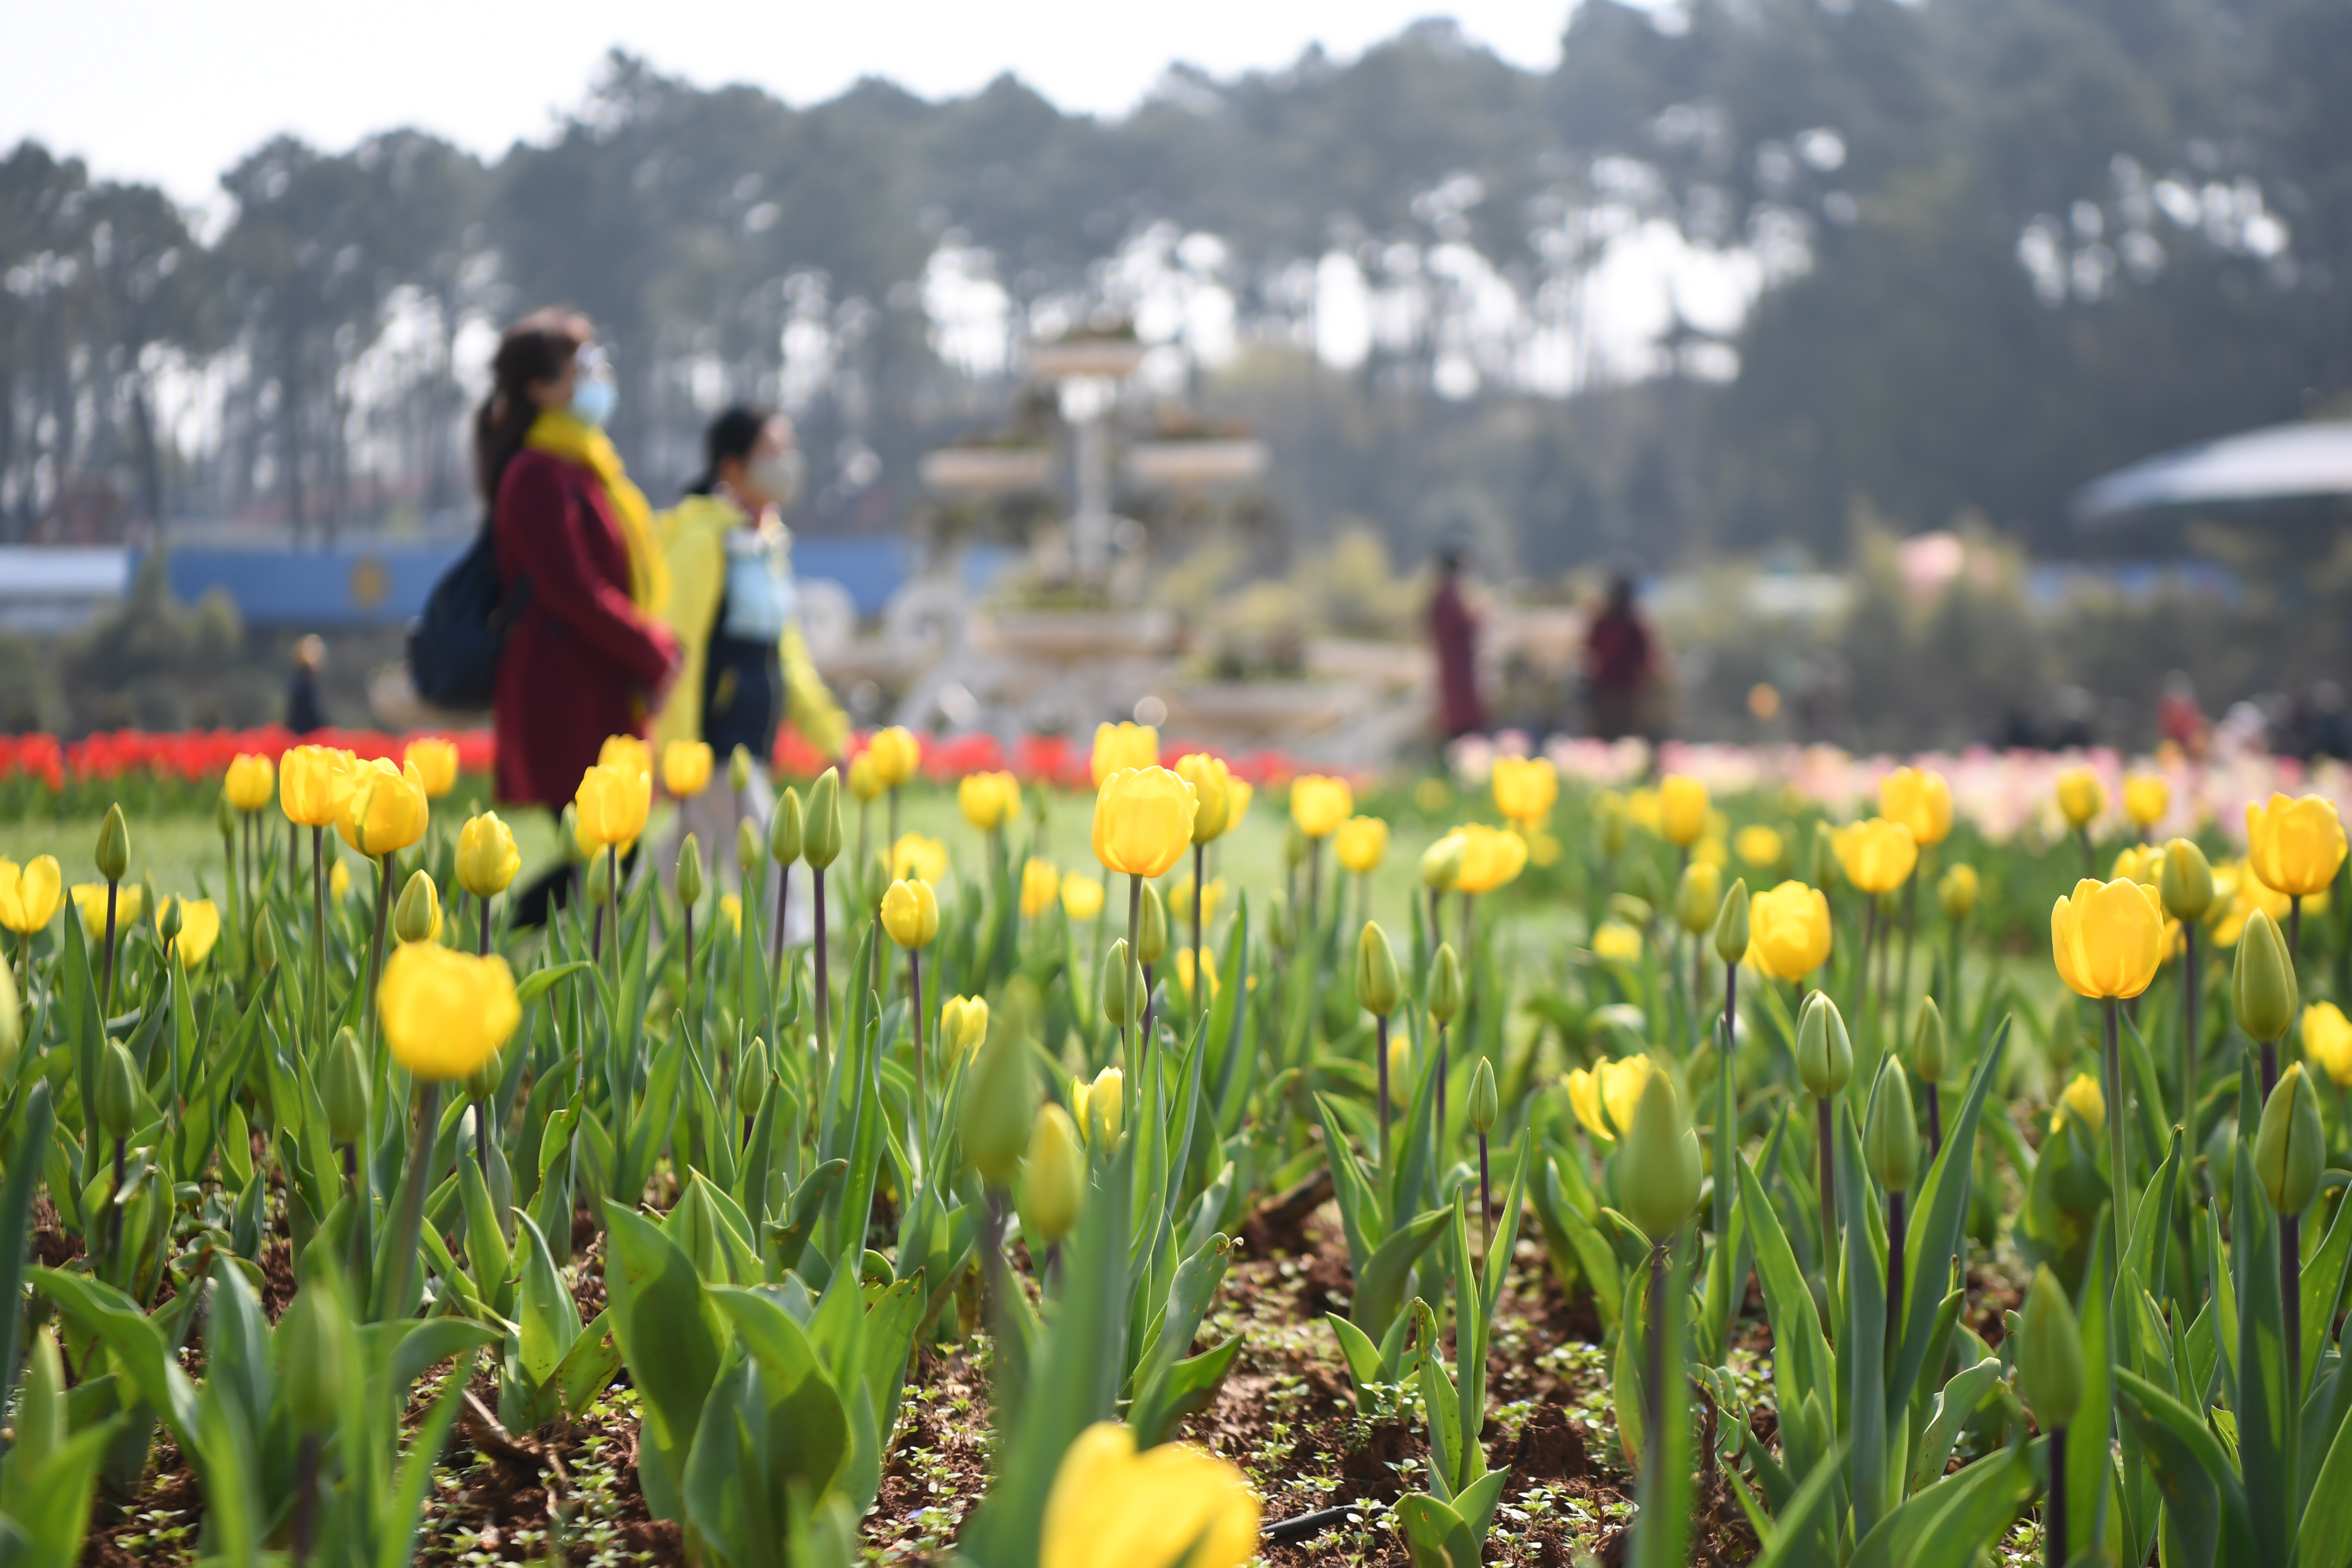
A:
{"points": [[1454, 636], [589, 656], [733, 610], [2180, 719], [1619, 663], [306, 710]]}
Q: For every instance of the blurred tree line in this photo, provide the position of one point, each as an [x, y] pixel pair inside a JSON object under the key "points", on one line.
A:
{"points": [[2000, 246]]}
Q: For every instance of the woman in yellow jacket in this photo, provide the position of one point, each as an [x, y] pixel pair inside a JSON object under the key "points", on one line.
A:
{"points": [[732, 605]]}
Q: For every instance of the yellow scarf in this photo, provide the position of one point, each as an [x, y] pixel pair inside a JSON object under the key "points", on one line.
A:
{"points": [[562, 434]]}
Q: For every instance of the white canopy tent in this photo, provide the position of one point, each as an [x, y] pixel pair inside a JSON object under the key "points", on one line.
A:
{"points": [[2284, 462]]}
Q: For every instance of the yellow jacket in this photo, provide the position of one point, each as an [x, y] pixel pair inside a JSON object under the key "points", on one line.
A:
{"points": [[694, 540]]}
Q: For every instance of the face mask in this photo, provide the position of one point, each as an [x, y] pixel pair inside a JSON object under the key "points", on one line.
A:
{"points": [[777, 475], [592, 400]]}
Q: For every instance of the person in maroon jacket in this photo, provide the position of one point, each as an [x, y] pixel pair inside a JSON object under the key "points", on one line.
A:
{"points": [[1454, 633], [588, 656], [1619, 660]]}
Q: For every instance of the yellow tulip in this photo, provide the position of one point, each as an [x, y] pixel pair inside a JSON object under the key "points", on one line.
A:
{"points": [[1526, 788], [1758, 845], [1237, 800], [1958, 890], [90, 897], [2294, 846], [1876, 855], [1919, 800], [2328, 1040], [1082, 897], [1186, 978], [488, 858], [2108, 938], [1710, 851], [2140, 863], [2147, 797], [989, 800], [627, 753], [1604, 1097], [1361, 843], [1617, 942], [1490, 857], [1143, 821], [916, 856], [1119, 747], [865, 780], [436, 762], [1179, 899], [911, 912], [306, 784], [252, 780], [2085, 1101], [1111, 1506], [1040, 885], [895, 755], [30, 894], [730, 908], [1788, 931], [1682, 808], [339, 881], [444, 1011], [612, 804], [200, 924], [2081, 796], [685, 768], [380, 809], [1318, 804], [1213, 785], [963, 1023]]}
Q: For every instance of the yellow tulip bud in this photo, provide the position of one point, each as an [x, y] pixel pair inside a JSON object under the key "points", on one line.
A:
{"points": [[1151, 927], [1732, 930], [343, 1090], [1082, 897], [445, 1013], [689, 871], [1890, 1130], [998, 1097], [1758, 846], [1378, 987], [1788, 931], [306, 784], [2291, 1148], [1445, 985], [2081, 796], [1682, 808], [613, 803], [685, 768], [487, 858], [252, 780], [1041, 884], [865, 780], [1491, 858], [1876, 855], [739, 768], [1441, 863], [2086, 1101], [436, 762], [1927, 1042], [113, 854], [1106, 1109], [1698, 897], [118, 1091], [2147, 797], [31, 894], [1120, 747], [320, 1352], [1660, 1166], [1604, 1095], [380, 809], [1824, 1052], [2050, 1352], [1617, 942], [2185, 885], [910, 913], [1921, 801], [1526, 788], [2263, 990], [895, 755], [1120, 988], [1958, 890], [1361, 843], [1211, 784], [1143, 821], [1610, 823], [1052, 1177], [1484, 1105], [1319, 803]]}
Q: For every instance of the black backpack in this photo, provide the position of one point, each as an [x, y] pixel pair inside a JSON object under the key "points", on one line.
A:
{"points": [[454, 647]]}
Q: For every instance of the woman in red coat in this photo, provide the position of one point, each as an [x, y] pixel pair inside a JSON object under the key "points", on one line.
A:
{"points": [[588, 656]]}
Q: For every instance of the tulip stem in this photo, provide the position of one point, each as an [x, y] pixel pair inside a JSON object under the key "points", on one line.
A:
{"points": [[107, 1007], [1441, 1084], [1313, 885], [483, 950], [2053, 1515], [776, 937], [2290, 1241], [318, 935], [2118, 1118], [2192, 989], [824, 979], [915, 993], [2090, 855], [1862, 964], [1935, 1121], [1381, 1022], [1485, 1196], [612, 898], [376, 949], [1436, 919], [1829, 1188], [1656, 1350], [1910, 929], [1200, 980], [403, 1255], [1135, 1046]]}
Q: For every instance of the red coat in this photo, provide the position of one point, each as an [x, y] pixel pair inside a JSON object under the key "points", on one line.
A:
{"points": [[583, 661]]}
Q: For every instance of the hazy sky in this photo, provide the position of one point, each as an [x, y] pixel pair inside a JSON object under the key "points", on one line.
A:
{"points": [[175, 92]]}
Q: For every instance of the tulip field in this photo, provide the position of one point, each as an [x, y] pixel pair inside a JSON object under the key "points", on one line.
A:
{"points": [[1134, 1157]]}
